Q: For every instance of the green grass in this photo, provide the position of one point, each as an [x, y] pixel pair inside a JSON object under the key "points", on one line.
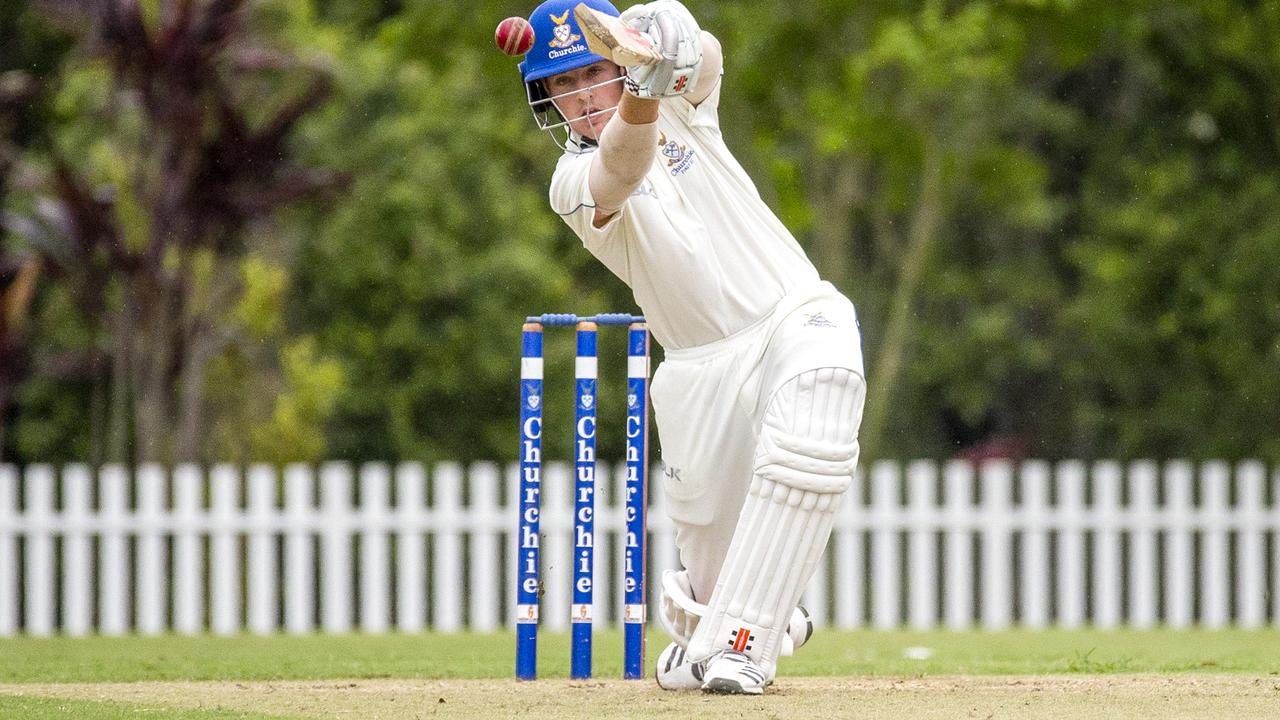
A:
{"points": [[29, 708], [95, 659]]}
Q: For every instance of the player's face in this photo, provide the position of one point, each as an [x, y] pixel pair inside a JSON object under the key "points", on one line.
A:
{"points": [[587, 96]]}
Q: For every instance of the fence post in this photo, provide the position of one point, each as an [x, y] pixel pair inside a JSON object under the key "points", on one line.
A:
{"points": [[922, 566], [8, 551], [261, 573], [557, 556], [224, 551], [486, 519], [1275, 556], [1106, 561], [188, 551], [411, 609], [1034, 568], [39, 551], [375, 606], [997, 545], [299, 549], [335, 548], [113, 558], [1215, 575], [447, 558], [886, 569], [1179, 590], [958, 550], [849, 581], [1251, 553], [1143, 581], [1073, 582], [152, 573], [77, 610]]}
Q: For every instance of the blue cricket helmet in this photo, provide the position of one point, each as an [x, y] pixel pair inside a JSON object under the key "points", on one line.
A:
{"points": [[557, 40]]}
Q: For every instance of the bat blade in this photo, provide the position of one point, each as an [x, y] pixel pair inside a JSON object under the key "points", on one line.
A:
{"points": [[609, 37]]}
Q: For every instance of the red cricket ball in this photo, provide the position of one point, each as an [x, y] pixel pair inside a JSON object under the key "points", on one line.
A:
{"points": [[514, 36]]}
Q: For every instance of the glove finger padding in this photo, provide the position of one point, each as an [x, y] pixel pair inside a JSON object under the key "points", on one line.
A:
{"points": [[676, 35]]}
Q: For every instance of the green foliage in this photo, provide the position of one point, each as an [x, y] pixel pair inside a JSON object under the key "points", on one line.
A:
{"points": [[272, 396], [265, 289], [420, 281], [1057, 219], [311, 387]]}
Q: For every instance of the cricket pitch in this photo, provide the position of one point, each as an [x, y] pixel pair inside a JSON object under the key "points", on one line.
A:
{"points": [[1137, 696]]}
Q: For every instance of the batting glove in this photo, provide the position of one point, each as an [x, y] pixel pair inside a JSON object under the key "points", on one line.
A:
{"points": [[677, 36]]}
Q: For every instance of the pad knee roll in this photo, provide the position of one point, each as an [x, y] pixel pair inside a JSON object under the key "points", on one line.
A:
{"points": [[809, 436]]}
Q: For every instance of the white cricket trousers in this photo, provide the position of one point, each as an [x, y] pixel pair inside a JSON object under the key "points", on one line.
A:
{"points": [[708, 402]]}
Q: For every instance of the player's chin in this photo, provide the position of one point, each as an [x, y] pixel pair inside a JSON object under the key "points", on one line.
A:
{"points": [[591, 127]]}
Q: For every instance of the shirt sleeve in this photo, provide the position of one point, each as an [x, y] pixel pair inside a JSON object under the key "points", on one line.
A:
{"points": [[705, 114], [571, 199]]}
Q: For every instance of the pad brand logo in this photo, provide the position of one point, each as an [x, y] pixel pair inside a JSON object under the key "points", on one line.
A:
{"points": [[741, 639], [679, 157], [564, 34]]}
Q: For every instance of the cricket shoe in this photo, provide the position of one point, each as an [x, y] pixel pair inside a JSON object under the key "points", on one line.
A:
{"points": [[733, 673], [675, 672]]}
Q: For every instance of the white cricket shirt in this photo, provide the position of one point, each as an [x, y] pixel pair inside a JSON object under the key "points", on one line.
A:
{"points": [[702, 253]]}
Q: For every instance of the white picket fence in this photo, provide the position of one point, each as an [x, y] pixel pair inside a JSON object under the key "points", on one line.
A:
{"points": [[924, 545]]}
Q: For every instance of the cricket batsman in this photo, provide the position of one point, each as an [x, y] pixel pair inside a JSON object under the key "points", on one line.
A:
{"points": [[760, 396]]}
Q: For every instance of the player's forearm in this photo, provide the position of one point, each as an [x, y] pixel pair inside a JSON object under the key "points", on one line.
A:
{"points": [[626, 151], [709, 73]]}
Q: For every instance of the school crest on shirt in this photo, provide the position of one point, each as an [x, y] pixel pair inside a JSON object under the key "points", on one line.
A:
{"points": [[679, 157], [564, 34]]}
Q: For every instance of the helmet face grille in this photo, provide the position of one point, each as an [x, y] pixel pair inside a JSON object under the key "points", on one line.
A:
{"points": [[549, 118]]}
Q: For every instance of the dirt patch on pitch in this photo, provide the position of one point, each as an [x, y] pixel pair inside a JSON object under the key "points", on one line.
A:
{"points": [[1140, 697]]}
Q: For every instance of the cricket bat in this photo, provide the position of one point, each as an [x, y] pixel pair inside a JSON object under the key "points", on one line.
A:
{"points": [[609, 37]]}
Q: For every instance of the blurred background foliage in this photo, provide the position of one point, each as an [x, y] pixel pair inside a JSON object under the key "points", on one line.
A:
{"points": [[305, 229]]}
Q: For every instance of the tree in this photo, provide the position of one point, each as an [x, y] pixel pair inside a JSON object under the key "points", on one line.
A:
{"points": [[901, 136], [1173, 328], [420, 283], [148, 220], [28, 50]]}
